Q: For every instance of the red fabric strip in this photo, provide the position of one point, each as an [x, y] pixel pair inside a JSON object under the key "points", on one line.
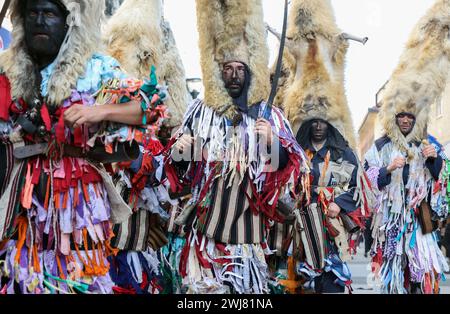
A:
{"points": [[5, 98], [45, 115]]}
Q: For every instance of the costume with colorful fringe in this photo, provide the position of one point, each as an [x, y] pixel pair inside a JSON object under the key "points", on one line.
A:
{"points": [[138, 35], [406, 256], [170, 254], [313, 88], [135, 269], [318, 247], [59, 241], [170, 258], [444, 198], [402, 254], [208, 265]]}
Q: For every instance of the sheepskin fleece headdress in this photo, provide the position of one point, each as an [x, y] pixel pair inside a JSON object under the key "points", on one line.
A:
{"points": [[420, 77], [138, 37], [316, 66], [82, 40], [232, 30]]}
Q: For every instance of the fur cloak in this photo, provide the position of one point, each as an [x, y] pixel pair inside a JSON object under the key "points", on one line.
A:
{"points": [[316, 65]]}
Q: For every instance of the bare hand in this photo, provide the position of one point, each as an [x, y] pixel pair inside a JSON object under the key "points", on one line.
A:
{"points": [[429, 151], [79, 115], [333, 210], [184, 143], [264, 129], [397, 163]]}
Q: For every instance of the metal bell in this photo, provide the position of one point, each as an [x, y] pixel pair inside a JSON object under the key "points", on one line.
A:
{"points": [[42, 131], [34, 115]]}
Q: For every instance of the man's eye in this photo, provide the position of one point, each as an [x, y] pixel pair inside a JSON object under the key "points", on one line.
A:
{"points": [[33, 14], [50, 14]]}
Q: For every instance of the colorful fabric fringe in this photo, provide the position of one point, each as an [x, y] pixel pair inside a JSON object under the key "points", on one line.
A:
{"points": [[208, 267], [65, 216], [407, 256]]}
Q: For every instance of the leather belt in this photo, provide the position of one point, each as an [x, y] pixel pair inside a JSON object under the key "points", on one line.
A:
{"points": [[127, 151], [74, 151], [28, 151]]}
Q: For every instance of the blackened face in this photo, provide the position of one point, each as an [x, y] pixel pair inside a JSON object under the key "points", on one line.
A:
{"points": [[45, 28], [319, 131], [405, 122], [233, 75]]}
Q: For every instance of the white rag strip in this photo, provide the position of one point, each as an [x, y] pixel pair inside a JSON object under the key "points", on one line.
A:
{"points": [[246, 271]]}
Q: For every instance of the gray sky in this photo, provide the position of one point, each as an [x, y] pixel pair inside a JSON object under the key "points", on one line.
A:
{"points": [[387, 23]]}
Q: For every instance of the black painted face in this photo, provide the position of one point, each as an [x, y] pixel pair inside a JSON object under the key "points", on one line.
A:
{"points": [[319, 131], [233, 75], [45, 29]]}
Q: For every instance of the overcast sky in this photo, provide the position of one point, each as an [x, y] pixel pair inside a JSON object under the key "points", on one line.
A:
{"points": [[387, 23]]}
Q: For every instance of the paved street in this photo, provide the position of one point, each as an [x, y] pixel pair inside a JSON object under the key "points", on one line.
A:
{"points": [[362, 283]]}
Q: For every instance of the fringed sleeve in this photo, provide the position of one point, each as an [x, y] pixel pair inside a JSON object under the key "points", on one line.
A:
{"points": [[286, 179]]}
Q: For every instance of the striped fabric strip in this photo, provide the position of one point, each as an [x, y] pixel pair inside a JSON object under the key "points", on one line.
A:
{"points": [[6, 165], [230, 219], [313, 236], [278, 236], [10, 200], [132, 235], [132, 229], [172, 227], [214, 213]]}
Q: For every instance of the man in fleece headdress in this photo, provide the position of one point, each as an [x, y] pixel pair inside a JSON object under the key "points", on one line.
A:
{"points": [[234, 178], [59, 204], [406, 168], [316, 244]]}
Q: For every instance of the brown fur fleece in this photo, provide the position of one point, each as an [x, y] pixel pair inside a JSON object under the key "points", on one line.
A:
{"points": [[133, 36], [317, 75], [174, 76], [138, 37]]}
